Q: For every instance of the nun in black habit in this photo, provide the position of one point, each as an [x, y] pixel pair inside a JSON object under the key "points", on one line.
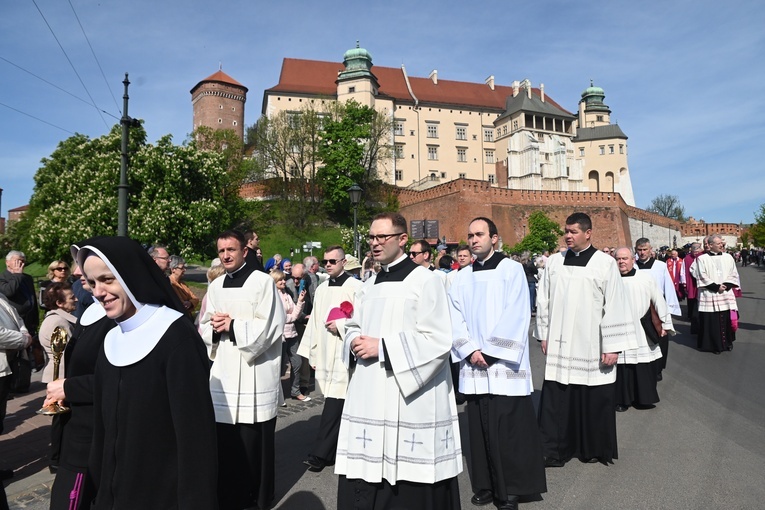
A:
{"points": [[154, 440]]}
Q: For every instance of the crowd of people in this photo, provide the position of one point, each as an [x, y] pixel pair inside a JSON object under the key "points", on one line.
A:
{"points": [[159, 383]]}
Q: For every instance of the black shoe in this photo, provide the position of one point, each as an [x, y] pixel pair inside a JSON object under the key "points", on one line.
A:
{"points": [[314, 463], [510, 504], [550, 462], [6, 474], [620, 408], [482, 497], [659, 377], [591, 460]]}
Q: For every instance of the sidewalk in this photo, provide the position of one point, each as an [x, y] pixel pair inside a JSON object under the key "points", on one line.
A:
{"points": [[24, 447]]}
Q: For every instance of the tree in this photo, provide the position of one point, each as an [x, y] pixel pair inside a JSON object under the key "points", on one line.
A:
{"points": [[757, 230], [176, 195], [668, 206], [354, 146], [543, 235]]}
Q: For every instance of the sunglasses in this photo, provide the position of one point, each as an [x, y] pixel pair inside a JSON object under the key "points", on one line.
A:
{"points": [[60, 268], [415, 253], [324, 262]]}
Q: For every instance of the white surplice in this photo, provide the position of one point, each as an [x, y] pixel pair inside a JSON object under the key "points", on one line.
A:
{"points": [[716, 269], [244, 378], [583, 312], [642, 292], [664, 281], [488, 314], [321, 348], [401, 424]]}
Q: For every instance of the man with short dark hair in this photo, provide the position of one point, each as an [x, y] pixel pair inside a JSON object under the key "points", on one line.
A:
{"points": [[253, 244], [490, 331], [322, 346], [243, 327], [399, 443], [583, 322], [464, 257]]}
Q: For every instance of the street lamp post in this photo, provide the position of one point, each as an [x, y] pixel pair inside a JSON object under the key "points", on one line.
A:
{"points": [[354, 192]]}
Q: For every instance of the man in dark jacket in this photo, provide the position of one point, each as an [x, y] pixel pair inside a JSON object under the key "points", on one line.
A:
{"points": [[19, 288]]}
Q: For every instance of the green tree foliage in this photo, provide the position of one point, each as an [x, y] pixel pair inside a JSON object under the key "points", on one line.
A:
{"points": [[668, 206], [176, 195], [354, 144], [757, 230], [543, 235]]}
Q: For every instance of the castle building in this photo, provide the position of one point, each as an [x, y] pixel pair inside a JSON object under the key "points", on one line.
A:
{"points": [[513, 137], [219, 103]]}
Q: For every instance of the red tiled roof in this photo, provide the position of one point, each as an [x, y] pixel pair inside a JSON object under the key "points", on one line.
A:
{"points": [[19, 209], [220, 77], [317, 77]]}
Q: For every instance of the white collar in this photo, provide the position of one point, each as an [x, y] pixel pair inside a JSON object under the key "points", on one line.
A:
{"points": [[92, 314], [137, 336], [387, 267]]}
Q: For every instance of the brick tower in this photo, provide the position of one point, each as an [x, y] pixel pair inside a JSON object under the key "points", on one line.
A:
{"points": [[219, 103]]}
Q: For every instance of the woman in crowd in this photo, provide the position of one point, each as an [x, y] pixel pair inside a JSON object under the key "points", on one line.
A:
{"points": [[291, 339], [71, 488], [60, 302], [177, 267], [58, 272], [154, 436]]}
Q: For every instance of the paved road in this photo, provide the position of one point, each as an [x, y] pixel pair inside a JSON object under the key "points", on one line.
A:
{"points": [[703, 446]]}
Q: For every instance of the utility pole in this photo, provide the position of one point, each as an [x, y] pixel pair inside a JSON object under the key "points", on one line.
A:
{"points": [[122, 187]]}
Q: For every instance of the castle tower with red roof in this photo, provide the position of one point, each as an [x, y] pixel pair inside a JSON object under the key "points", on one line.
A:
{"points": [[219, 103]]}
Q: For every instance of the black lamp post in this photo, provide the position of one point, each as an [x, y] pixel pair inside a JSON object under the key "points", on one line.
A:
{"points": [[354, 192]]}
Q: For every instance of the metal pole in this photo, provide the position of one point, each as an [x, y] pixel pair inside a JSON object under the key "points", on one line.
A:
{"points": [[355, 232], [122, 188]]}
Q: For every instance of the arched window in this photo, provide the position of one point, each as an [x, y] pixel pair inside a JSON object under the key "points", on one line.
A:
{"points": [[594, 183], [609, 184]]}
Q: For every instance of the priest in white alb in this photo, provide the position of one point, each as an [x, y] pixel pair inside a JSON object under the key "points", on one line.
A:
{"points": [[322, 346], [490, 322], [399, 444], [583, 323], [636, 368]]}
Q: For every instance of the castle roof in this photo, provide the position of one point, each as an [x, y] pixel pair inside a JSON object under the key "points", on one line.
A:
{"points": [[299, 76], [599, 133], [534, 104], [220, 77]]}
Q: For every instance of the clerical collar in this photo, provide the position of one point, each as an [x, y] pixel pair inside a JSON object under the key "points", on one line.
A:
{"points": [[490, 263], [391, 266], [582, 258], [631, 272], [340, 280], [232, 274], [713, 254]]}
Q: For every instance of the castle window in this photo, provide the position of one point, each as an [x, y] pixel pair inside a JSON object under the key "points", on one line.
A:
{"points": [[398, 151], [220, 106], [411, 132], [432, 130], [488, 135], [610, 149], [433, 176], [233, 108], [602, 150], [581, 152], [433, 152], [220, 121], [489, 156], [621, 148], [443, 175], [475, 137], [461, 132], [541, 137], [504, 129], [492, 179], [515, 124], [599, 118], [463, 176], [351, 90], [235, 123], [398, 128], [462, 155], [399, 175], [499, 132]]}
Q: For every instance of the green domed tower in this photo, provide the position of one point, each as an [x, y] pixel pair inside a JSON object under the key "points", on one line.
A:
{"points": [[357, 81]]}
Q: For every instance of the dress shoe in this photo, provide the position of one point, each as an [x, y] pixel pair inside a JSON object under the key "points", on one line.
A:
{"points": [[550, 462], [6, 474], [314, 463], [482, 497], [510, 504], [620, 408]]}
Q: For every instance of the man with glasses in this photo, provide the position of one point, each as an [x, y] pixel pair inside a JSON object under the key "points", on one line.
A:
{"points": [[322, 345], [399, 444], [161, 257]]}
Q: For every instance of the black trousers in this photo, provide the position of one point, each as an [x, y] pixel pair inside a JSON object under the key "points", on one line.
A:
{"points": [[329, 430], [246, 464]]}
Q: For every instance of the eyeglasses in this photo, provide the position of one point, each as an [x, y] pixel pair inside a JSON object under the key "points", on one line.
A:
{"points": [[382, 238], [413, 254], [162, 258], [324, 262], [182, 268]]}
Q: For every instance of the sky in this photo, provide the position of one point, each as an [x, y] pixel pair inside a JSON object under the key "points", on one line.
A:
{"points": [[684, 79]]}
